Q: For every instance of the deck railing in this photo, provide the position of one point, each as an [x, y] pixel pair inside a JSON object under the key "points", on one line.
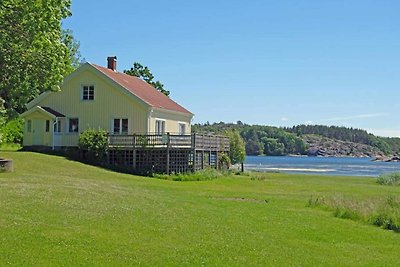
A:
{"points": [[193, 141]]}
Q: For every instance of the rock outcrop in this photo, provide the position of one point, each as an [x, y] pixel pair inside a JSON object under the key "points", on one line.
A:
{"points": [[387, 159], [326, 147]]}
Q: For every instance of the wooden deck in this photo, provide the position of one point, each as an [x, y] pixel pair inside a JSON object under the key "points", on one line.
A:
{"points": [[193, 141], [167, 153]]}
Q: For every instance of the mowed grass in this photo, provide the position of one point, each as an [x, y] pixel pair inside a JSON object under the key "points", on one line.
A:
{"points": [[59, 212]]}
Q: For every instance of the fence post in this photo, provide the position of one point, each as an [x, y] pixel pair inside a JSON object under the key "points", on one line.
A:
{"points": [[134, 151]]}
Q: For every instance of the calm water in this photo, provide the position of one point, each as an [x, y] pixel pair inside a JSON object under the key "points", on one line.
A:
{"points": [[321, 165]]}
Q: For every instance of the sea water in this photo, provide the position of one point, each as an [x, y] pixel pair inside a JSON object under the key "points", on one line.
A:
{"points": [[321, 165]]}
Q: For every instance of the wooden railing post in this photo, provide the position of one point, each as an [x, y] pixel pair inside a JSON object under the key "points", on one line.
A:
{"points": [[168, 147], [194, 151]]}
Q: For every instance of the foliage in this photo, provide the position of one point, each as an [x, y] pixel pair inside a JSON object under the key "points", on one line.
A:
{"points": [[95, 142], [383, 211], [259, 139], [33, 58], [3, 113], [224, 162], [237, 152], [13, 131], [270, 140], [202, 175], [144, 73], [389, 179], [98, 217], [273, 147], [75, 57]]}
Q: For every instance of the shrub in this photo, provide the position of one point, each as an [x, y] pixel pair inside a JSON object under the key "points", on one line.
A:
{"points": [[13, 131], [224, 161], [389, 179], [95, 143], [202, 175]]}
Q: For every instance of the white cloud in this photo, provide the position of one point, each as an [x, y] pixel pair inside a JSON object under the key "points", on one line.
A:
{"points": [[385, 132], [284, 119], [354, 117], [309, 122]]}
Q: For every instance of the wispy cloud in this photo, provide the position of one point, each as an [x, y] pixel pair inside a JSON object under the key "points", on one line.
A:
{"points": [[284, 119], [385, 132], [354, 117]]}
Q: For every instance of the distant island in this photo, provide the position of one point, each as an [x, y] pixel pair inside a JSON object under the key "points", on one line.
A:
{"points": [[309, 140]]}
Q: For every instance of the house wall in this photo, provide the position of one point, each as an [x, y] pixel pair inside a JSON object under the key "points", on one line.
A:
{"points": [[109, 103], [37, 135], [172, 121]]}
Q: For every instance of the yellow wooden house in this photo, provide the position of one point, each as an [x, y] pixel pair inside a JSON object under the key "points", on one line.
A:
{"points": [[101, 98]]}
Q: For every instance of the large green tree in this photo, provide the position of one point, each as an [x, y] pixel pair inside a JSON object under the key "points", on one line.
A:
{"points": [[237, 152], [144, 73], [33, 56]]}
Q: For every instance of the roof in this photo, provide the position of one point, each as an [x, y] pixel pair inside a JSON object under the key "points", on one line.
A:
{"points": [[46, 110], [142, 90], [52, 111]]}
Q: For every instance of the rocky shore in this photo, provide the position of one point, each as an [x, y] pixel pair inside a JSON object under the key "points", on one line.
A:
{"points": [[326, 147], [387, 159]]}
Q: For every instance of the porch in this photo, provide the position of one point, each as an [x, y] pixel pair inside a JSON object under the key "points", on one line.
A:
{"points": [[167, 153]]}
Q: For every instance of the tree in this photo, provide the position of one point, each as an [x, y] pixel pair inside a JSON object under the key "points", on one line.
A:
{"points": [[237, 152], [75, 57], [273, 147], [144, 73], [33, 58]]}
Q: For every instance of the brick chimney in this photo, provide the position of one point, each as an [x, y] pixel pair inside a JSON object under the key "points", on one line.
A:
{"points": [[112, 63]]}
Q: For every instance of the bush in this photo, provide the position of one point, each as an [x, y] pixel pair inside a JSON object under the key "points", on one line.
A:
{"points": [[13, 131], [203, 175], [224, 161], [95, 143], [389, 179]]}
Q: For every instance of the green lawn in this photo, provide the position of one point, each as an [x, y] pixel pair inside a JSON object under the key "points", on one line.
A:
{"points": [[58, 212]]}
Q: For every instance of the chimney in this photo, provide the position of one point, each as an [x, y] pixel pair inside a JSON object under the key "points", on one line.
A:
{"points": [[112, 63]]}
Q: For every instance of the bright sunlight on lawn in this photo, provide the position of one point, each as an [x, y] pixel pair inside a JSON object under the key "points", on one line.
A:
{"points": [[58, 212]]}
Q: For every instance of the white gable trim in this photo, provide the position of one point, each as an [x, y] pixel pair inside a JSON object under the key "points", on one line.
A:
{"points": [[40, 109], [37, 100]]}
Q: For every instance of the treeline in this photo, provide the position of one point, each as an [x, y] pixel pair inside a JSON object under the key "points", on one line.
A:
{"points": [[259, 139], [269, 140]]}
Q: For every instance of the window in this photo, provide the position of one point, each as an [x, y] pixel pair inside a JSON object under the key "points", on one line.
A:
{"points": [[88, 92], [47, 126], [73, 125], [29, 126], [160, 127], [182, 128], [120, 126], [57, 127]]}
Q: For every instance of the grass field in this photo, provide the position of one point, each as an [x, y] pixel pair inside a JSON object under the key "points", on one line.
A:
{"points": [[59, 212]]}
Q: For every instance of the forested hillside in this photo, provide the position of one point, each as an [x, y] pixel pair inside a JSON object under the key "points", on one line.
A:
{"points": [[269, 140]]}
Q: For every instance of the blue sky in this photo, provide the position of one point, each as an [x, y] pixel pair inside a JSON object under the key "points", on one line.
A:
{"points": [[280, 63]]}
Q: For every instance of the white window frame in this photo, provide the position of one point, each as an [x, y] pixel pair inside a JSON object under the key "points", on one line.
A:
{"points": [[57, 127], [74, 131], [120, 120], [89, 96], [159, 127], [181, 125]]}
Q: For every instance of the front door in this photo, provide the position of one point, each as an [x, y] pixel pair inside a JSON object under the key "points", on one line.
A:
{"points": [[38, 132]]}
